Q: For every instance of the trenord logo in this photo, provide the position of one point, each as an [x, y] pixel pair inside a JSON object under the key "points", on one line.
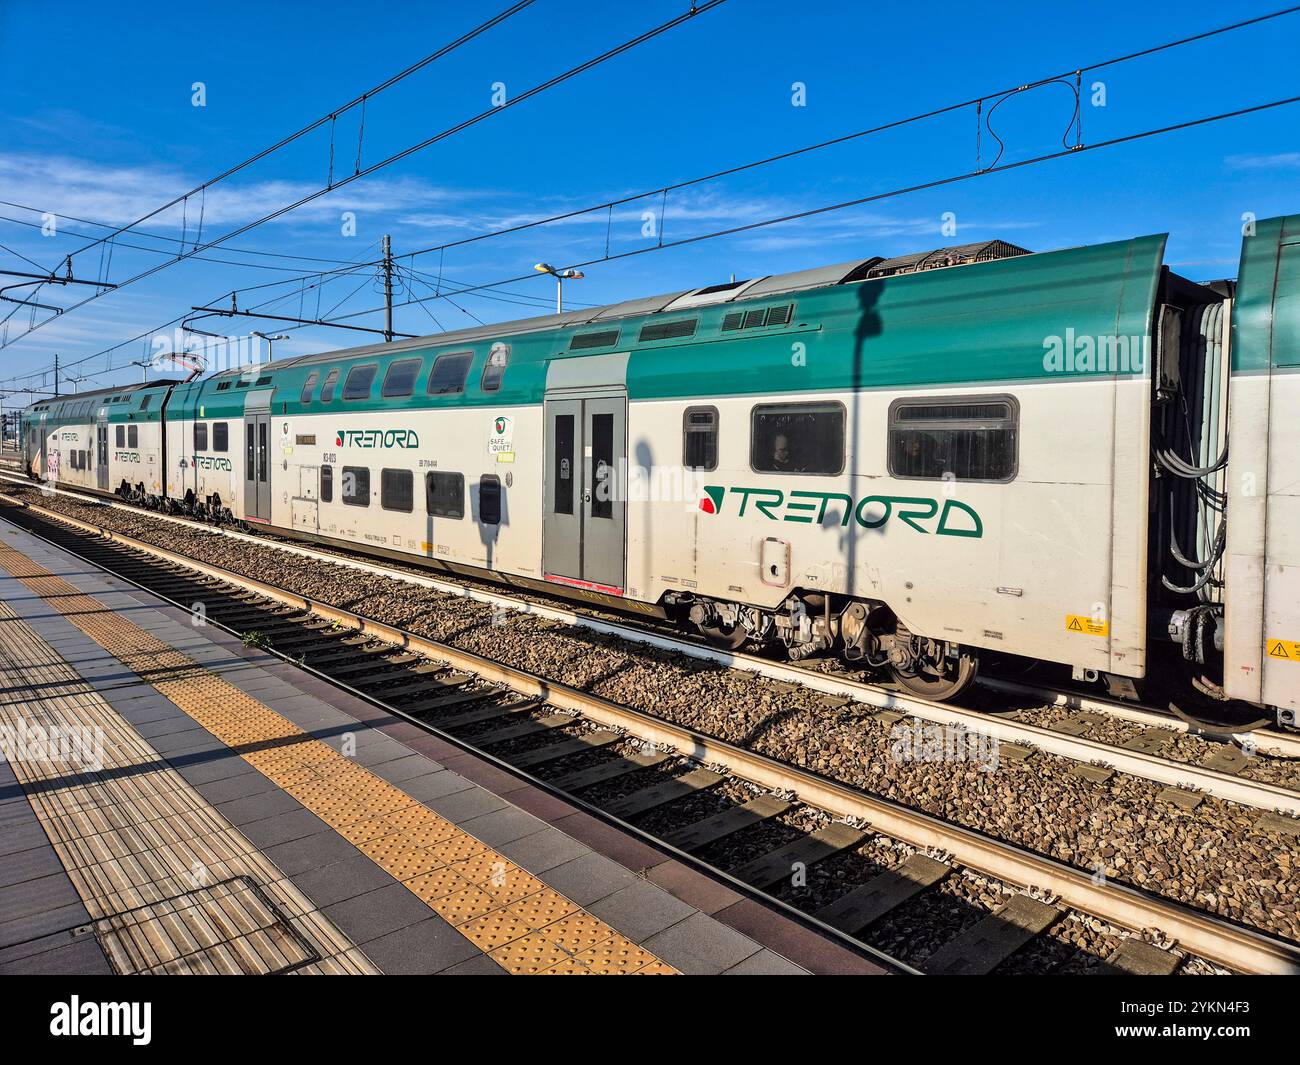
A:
{"points": [[870, 512], [377, 438]]}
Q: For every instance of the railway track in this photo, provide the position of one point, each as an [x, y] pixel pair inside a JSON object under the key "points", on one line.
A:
{"points": [[857, 866], [1136, 753]]}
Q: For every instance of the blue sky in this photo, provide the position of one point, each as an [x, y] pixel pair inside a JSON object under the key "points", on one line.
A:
{"points": [[97, 123]]}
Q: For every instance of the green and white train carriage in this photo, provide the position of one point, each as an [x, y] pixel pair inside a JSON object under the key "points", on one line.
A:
{"points": [[107, 441], [911, 462]]}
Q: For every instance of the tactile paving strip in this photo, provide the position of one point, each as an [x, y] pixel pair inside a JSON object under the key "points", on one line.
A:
{"points": [[153, 862], [454, 873]]}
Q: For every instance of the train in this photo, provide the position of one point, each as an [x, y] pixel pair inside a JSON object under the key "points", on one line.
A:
{"points": [[916, 464]]}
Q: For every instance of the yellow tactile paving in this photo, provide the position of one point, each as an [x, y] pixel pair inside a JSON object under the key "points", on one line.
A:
{"points": [[518, 921], [150, 858]]}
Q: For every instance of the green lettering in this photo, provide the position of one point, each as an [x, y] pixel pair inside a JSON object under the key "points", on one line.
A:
{"points": [[765, 507], [889, 509], [910, 516], [943, 530]]}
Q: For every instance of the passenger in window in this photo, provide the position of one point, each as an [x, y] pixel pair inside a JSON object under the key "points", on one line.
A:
{"points": [[782, 460], [924, 455]]}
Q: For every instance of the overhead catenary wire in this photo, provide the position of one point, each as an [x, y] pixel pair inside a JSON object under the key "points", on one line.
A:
{"points": [[979, 171], [145, 235], [420, 64], [998, 96], [906, 190], [697, 9], [842, 205]]}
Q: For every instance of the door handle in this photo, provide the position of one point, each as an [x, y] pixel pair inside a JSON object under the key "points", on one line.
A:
{"points": [[586, 497]]}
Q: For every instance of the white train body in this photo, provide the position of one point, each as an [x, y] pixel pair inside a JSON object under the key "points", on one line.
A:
{"points": [[911, 466]]}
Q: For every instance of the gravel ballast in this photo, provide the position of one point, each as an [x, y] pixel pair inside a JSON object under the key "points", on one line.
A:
{"points": [[1211, 857]]}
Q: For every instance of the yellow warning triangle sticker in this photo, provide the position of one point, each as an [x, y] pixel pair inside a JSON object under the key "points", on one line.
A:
{"points": [[1278, 650], [1074, 625]]}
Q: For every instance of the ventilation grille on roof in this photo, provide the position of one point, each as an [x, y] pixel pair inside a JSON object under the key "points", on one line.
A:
{"points": [[683, 327], [223, 386], [782, 314], [725, 287], [961, 255], [605, 338]]}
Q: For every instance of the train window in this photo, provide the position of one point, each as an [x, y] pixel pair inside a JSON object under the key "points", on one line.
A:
{"points": [[495, 368], [700, 438], [356, 486], [444, 494], [396, 490], [309, 386], [327, 389], [327, 484], [563, 457], [121, 436], [200, 436], [220, 436], [400, 378], [797, 438], [604, 473], [132, 436], [359, 381], [489, 499], [449, 373], [968, 438]]}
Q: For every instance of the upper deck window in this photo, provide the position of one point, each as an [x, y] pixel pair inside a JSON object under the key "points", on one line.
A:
{"points": [[400, 379], [309, 386], [360, 380], [449, 373], [495, 369]]}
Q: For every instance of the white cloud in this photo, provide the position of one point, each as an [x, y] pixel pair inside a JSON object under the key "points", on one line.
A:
{"points": [[1281, 161], [118, 194]]}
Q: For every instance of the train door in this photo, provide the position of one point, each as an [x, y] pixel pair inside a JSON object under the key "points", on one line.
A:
{"points": [[584, 535], [257, 466], [101, 453]]}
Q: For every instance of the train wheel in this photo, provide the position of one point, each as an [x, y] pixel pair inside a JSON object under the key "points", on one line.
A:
{"points": [[727, 638], [938, 679]]}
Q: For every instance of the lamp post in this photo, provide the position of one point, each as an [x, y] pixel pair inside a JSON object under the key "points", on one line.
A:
{"points": [[560, 277], [269, 339]]}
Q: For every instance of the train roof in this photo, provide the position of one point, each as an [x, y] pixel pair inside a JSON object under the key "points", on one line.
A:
{"points": [[77, 397], [689, 299]]}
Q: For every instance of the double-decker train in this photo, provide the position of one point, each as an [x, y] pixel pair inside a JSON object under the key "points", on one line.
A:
{"points": [[912, 462]]}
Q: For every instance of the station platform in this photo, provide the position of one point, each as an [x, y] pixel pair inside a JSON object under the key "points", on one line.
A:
{"points": [[172, 801]]}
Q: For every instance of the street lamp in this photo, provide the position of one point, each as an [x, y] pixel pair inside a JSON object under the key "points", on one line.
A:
{"points": [[268, 339], [560, 277]]}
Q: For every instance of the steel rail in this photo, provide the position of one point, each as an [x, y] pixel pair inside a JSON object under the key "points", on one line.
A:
{"points": [[1216, 939]]}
